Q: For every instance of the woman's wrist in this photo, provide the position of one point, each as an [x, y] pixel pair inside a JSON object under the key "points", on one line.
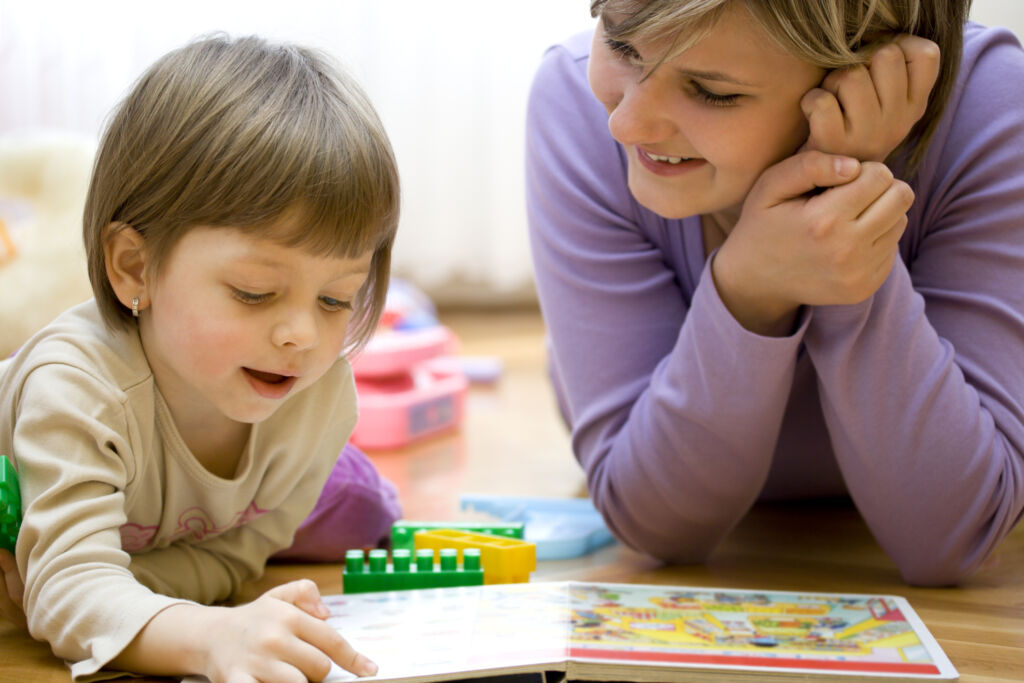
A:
{"points": [[755, 307]]}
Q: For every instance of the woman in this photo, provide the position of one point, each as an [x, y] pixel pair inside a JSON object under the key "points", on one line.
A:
{"points": [[775, 261]]}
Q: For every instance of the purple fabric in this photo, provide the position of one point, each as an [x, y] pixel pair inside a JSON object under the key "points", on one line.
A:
{"points": [[355, 510], [911, 402]]}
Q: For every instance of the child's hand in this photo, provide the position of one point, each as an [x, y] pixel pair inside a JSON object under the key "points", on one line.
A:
{"points": [[866, 111], [788, 249], [12, 592], [281, 636]]}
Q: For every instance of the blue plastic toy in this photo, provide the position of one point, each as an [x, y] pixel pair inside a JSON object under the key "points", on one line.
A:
{"points": [[561, 527]]}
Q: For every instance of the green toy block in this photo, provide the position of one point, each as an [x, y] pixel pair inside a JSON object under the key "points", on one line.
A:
{"points": [[403, 531], [10, 504], [402, 574]]}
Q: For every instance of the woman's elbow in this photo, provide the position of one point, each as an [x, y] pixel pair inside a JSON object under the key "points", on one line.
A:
{"points": [[678, 547], [934, 570]]}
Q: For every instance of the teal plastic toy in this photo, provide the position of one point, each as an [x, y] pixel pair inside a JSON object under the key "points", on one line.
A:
{"points": [[561, 527]]}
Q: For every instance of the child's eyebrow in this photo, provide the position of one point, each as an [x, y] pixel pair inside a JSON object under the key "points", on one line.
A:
{"points": [[258, 261]]}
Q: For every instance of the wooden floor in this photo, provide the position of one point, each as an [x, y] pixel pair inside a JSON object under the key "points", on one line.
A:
{"points": [[513, 442]]}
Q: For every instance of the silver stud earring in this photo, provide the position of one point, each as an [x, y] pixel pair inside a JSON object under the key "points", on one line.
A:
{"points": [[135, 306]]}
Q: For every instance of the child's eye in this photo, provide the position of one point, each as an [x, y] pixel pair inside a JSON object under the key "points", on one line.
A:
{"points": [[712, 98], [623, 50], [249, 297], [332, 304]]}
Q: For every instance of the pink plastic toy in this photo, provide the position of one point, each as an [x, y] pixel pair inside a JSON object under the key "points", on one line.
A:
{"points": [[409, 386], [392, 352]]}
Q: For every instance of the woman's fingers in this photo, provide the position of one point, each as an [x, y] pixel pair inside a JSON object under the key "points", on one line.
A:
{"points": [[866, 111], [923, 60]]}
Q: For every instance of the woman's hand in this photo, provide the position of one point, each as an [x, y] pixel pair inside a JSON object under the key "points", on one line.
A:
{"points": [[835, 247], [12, 592], [790, 248], [866, 111]]}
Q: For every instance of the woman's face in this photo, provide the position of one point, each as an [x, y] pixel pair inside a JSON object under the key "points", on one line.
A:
{"points": [[701, 128]]}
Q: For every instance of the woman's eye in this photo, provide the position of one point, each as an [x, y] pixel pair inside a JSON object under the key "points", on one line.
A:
{"points": [[623, 50], [713, 98], [332, 304], [249, 297]]}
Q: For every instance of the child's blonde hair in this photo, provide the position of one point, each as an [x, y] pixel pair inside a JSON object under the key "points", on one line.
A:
{"points": [[830, 34], [244, 133]]}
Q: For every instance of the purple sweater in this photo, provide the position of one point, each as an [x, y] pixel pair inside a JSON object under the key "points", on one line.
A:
{"points": [[911, 402]]}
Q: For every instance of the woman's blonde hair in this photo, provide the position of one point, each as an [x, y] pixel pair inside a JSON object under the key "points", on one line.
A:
{"points": [[244, 133], [830, 34]]}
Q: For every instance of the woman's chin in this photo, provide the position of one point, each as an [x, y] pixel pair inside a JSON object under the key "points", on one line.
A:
{"points": [[677, 203], [667, 207]]}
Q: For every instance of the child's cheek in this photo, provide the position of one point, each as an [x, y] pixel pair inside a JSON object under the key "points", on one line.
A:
{"points": [[216, 345]]}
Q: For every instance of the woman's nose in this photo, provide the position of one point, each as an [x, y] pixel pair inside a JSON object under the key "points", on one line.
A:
{"points": [[640, 116]]}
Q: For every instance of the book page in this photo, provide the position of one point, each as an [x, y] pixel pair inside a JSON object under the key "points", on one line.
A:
{"points": [[635, 632], [427, 633], [758, 631]]}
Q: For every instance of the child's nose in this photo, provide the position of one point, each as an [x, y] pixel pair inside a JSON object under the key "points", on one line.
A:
{"points": [[298, 329]]}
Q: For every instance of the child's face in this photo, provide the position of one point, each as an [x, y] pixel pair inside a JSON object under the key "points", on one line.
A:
{"points": [[729, 106], [237, 323]]}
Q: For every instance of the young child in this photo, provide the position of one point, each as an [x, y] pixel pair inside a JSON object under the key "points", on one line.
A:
{"points": [[171, 434], [744, 303]]}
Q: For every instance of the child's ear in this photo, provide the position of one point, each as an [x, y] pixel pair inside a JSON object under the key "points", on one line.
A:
{"points": [[125, 252]]}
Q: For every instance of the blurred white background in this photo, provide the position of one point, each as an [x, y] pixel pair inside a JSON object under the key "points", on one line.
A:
{"points": [[449, 78]]}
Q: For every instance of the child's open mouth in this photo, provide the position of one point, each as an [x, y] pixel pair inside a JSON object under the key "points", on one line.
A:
{"points": [[268, 377], [270, 384]]}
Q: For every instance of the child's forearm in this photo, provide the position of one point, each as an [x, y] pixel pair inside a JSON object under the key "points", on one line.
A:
{"points": [[171, 644], [284, 631]]}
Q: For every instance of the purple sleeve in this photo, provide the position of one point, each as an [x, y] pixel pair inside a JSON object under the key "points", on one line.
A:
{"points": [[922, 385], [675, 408], [356, 509]]}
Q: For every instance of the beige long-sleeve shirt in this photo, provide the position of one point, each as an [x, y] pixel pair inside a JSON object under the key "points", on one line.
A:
{"points": [[120, 519]]}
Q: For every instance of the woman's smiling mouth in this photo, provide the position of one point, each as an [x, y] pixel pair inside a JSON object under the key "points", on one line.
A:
{"points": [[664, 165]]}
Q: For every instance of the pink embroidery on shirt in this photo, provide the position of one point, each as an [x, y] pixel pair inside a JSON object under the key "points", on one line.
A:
{"points": [[193, 523], [135, 537], [250, 513]]}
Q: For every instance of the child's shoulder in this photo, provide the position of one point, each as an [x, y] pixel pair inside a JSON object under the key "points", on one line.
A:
{"points": [[78, 340]]}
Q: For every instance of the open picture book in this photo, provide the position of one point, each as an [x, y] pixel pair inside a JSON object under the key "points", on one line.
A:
{"points": [[572, 631]]}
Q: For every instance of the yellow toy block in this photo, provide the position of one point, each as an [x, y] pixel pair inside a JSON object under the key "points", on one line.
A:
{"points": [[504, 560]]}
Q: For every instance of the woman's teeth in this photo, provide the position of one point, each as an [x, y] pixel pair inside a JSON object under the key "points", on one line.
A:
{"points": [[668, 160]]}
